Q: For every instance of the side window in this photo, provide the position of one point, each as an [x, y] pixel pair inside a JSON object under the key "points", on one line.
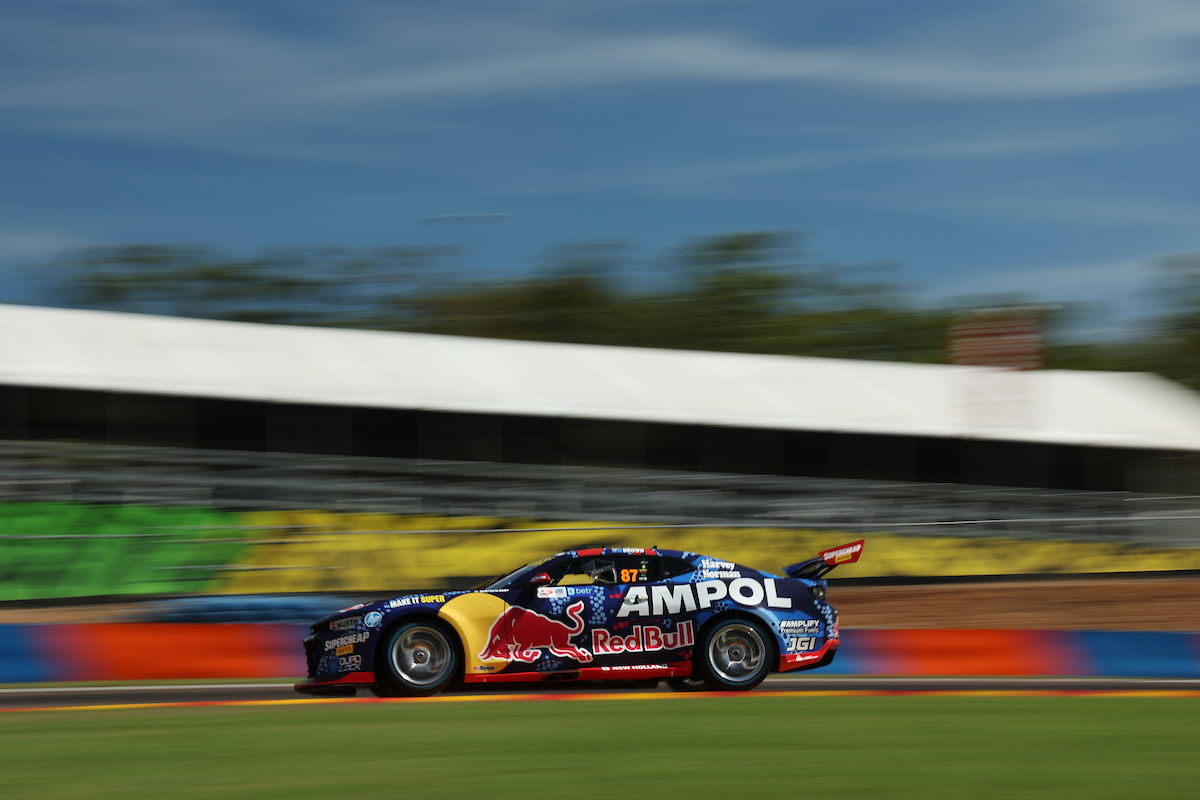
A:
{"points": [[589, 572], [670, 567], [622, 568]]}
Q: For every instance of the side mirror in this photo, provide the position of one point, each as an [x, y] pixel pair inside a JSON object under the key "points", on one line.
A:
{"points": [[540, 579]]}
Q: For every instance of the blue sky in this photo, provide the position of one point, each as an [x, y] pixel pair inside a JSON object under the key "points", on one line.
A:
{"points": [[1044, 147]]}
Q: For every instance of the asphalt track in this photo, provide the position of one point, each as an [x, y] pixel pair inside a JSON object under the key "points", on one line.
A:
{"points": [[125, 696]]}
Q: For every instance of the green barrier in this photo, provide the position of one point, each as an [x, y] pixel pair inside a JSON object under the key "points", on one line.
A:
{"points": [[50, 550]]}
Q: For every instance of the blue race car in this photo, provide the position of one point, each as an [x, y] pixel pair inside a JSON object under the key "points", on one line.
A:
{"points": [[585, 615]]}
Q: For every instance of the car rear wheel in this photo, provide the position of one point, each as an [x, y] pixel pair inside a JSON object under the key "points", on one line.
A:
{"points": [[417, 659], [734, 654]]}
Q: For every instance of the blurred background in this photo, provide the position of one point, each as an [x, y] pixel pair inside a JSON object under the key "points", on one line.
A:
{"points": [[307, 303]]}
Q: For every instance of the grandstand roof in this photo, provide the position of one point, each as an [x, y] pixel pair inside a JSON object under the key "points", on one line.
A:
{"points": [[96, 350]]}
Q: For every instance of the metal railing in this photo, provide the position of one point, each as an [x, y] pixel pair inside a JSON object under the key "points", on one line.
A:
{"points": [[84, 473]]}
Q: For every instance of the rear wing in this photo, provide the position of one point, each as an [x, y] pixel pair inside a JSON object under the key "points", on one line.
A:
{"points": [[820, 566]]}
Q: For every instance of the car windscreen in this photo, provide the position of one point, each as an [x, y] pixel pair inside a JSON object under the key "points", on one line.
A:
{"points": [[518, 577]]}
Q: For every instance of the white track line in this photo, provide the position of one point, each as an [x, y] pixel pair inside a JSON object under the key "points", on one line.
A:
{"points": [[150, 688]]}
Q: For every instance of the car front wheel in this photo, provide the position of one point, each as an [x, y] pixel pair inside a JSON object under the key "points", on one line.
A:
{"points": [[417, 659]]}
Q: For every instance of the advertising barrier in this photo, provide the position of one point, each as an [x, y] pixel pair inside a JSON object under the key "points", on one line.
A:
{"points": [[163, 651]]}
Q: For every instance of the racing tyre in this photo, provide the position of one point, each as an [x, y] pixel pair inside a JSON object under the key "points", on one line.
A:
{"points": [[733, 655], [417, 659]]}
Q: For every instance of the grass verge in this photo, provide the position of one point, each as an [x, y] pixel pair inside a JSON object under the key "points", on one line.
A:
{"points": [[688, 746]]}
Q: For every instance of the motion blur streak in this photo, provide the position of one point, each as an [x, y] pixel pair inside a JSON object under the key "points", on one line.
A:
{"points": [[611, 696]]}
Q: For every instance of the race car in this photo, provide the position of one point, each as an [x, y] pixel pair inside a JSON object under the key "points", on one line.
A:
{"points": [[631, 614]]}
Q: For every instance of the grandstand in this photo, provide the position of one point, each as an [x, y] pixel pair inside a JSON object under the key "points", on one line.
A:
{"points": [[145, 455], [103, 377]]}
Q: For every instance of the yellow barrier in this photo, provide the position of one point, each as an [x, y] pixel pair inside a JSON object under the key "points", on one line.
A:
{"points": [[308, 551]]}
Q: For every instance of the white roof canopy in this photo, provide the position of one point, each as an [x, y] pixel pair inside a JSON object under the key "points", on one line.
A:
{"points": [[96, 350]]}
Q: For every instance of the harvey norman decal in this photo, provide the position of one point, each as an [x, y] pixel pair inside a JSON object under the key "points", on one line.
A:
{"points": [[661, 600]]}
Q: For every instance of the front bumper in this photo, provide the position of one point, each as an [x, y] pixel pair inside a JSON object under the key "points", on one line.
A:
{"points": [[341, 685]]}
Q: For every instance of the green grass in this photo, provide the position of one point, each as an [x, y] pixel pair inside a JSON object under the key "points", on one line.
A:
{"points": [[685, 746]]}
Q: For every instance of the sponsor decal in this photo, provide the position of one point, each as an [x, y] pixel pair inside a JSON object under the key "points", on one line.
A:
{"points": [[843, 554], [350, 664], [551, 591], [643, 639], [520, 634], [713, 573], [412, 600], [800, 644], [712, 563], [350, 638], [346, 624], [344, 650], [674, 598], [799, 625], [802, 658], [631, 575], [372, 619]]}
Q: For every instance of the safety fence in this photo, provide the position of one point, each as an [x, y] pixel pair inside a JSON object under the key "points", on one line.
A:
{"points": [[63, 550], [256, 481], [165, 651]]}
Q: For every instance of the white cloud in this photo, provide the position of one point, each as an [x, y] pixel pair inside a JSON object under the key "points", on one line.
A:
{"points": [[1109, 46], [171, 71], [16, 245], [966, 146], [1162, 215]]}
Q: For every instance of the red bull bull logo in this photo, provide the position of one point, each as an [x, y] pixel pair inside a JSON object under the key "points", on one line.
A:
{"points": [[520, 635]]}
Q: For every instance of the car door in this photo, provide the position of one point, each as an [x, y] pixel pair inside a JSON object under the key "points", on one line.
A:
{"points": [[652, 621], [548, 629]]}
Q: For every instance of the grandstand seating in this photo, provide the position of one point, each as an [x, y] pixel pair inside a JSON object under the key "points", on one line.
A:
{"points": [[58, 550], [322, 551], [66, 550]]}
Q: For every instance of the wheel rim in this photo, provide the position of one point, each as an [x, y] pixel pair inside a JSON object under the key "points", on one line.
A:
{"points": [[420, 655], [736, 652]]}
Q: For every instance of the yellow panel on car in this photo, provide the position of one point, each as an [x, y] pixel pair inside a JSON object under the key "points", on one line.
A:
{"points": [[471, 616]]}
